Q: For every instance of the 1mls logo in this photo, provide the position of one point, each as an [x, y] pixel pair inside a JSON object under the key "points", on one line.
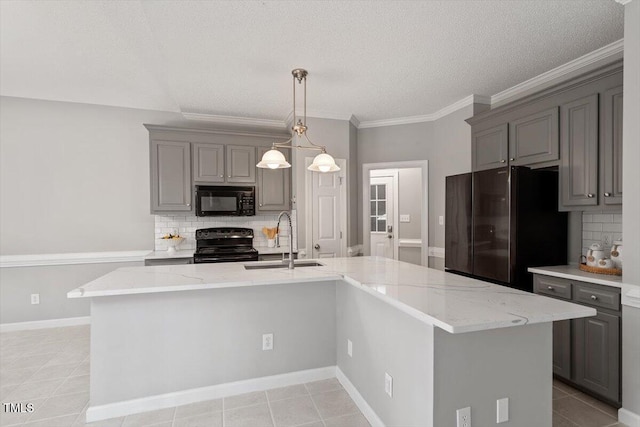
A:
{"points": [[18, 407]]}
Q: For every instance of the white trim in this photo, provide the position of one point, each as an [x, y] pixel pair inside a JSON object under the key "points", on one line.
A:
{"points": [[436, 252], [354, 121], [185, 397], [629, 418], [410, 243], [607, 53], [317, 114], [366, 168], [357, 398], [623, 2], [235, 120], [469, 100], [631, 295], [44, 324], [38, 260]]}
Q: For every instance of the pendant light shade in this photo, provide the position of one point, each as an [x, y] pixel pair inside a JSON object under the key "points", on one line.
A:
{"points": [[323, 162], [273, 159]]}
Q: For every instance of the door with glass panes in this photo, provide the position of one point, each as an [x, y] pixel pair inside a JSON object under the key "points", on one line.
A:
{"points": [[381, 216]]}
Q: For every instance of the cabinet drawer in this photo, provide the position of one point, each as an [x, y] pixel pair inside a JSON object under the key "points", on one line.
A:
{"points": [[597, 296], [552, 287]]}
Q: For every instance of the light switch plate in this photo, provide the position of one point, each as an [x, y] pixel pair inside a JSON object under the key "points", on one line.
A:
{"points": [[502, 410], [405, 218]]}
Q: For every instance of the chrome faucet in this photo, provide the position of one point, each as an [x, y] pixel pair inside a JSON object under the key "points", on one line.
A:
{"points": [[285, 213]]}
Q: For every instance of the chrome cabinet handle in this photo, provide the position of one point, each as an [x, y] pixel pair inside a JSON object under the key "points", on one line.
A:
{"points": [[260, 205], [221, 176], [593, 297], [503, 161], [607, 194], [590, 195], [550, 288], [188, 204], [316, 246], [512, 159]]}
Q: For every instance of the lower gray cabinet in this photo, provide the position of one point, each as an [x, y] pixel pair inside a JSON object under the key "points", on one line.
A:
{"points": [[587, 351], [274, 187], [596, 354]]}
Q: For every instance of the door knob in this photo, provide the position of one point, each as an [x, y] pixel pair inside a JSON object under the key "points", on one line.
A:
{"points": [[390, 236], [316, 246]]}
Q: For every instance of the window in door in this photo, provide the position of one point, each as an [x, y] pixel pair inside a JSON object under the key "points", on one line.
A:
{"points": [[378, 208]]}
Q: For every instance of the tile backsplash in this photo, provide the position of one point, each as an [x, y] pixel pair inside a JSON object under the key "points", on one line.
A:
{"points": [[600, 227], [186, 226]]}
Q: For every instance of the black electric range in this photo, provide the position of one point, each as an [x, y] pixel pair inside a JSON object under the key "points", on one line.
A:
{"points": [[224, 244]]}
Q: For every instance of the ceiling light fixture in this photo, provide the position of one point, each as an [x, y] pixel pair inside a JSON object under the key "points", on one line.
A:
{"points": [[274, 159]]}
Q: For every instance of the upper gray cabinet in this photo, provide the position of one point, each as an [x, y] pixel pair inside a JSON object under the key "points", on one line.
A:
{"points": [[534, 139], [490, 148], [241, 164], [579, 144], [170, 176], [274, 187], [611, 148], [208, 163]]}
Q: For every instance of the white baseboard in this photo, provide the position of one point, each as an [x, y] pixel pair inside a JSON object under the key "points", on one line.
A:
{"points": [[185, 397], [44, 324], [629, 418], [362, 404]]}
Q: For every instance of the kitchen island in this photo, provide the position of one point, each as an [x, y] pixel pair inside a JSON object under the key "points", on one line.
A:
{"points": [[168, 335]]}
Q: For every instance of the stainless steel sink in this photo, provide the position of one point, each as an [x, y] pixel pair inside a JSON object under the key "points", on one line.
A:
{"points": [[262, 266]]}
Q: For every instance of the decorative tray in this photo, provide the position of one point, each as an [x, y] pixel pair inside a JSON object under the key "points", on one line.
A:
{"points": [[600, 270]]}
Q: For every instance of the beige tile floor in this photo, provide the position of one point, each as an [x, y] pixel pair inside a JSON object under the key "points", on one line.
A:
{"points": [[50, 368]]}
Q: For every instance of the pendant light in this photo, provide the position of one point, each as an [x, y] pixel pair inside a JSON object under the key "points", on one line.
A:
{"points": [[274, 159]]}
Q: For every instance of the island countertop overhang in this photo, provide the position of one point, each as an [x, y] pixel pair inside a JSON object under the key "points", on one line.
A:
{"points": [[451, 302]]}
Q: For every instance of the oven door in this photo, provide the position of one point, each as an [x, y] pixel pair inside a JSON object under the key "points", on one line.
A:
{"points": [[218, 203]]}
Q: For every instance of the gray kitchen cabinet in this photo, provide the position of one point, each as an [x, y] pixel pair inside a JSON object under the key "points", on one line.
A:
{"points": [[208, 163], [587, 351], [170, 176], [611, 148], [534, 138], [489, 148], [596, 354], [579, 152], [274, 187], [241, 164]]}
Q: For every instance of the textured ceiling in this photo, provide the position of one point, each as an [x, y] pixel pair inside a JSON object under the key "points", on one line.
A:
{"points": [[376, 60]]}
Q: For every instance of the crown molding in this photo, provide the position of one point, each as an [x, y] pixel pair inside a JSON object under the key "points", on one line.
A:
{"points": [[608, 53], [469, 100], [623, 2], [235, 120]]}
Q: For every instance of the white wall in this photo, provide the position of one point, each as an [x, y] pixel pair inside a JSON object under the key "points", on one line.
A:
{"points": [[631, 208]]}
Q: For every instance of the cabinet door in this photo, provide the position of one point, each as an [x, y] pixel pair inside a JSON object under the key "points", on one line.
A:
{"points": [[170, 176], [274, 188], [562, 348], [611, 155], [534, 139], [208, 163], [579, 144], [489, 148], [597, 354], [241, 163]]}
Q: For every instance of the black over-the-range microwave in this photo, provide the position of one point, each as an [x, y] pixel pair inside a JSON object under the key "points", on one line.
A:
{"points": [[217, 200]]}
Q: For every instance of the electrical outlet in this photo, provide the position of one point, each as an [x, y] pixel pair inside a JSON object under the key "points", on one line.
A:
{"points": [[349, 348], [267, 342], [388, 384], [35, 298], [502, 410], [441, 220], [464, 417], [405, 218]]}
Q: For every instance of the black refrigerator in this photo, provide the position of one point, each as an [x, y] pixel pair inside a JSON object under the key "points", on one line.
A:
{"points": [[500, 222]]}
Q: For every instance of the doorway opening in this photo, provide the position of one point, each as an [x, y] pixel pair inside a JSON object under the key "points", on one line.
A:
{"points": [[395, 211]]}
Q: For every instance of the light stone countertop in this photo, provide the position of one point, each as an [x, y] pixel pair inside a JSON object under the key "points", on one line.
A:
{"points": [[182, 253], [572, 272], [451, 302]]}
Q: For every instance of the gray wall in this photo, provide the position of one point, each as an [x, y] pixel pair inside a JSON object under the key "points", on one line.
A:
{"points": [[208, 337], [631, 206], [52, 283], [445, 143], [410, 202], [73, 178]]}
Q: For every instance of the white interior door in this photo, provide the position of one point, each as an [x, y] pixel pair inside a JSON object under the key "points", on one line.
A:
{"points": [[326, 228], [381, 216]]}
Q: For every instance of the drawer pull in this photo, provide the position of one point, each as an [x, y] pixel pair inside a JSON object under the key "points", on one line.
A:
{"points": [[593, 297], [550, 288]]}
